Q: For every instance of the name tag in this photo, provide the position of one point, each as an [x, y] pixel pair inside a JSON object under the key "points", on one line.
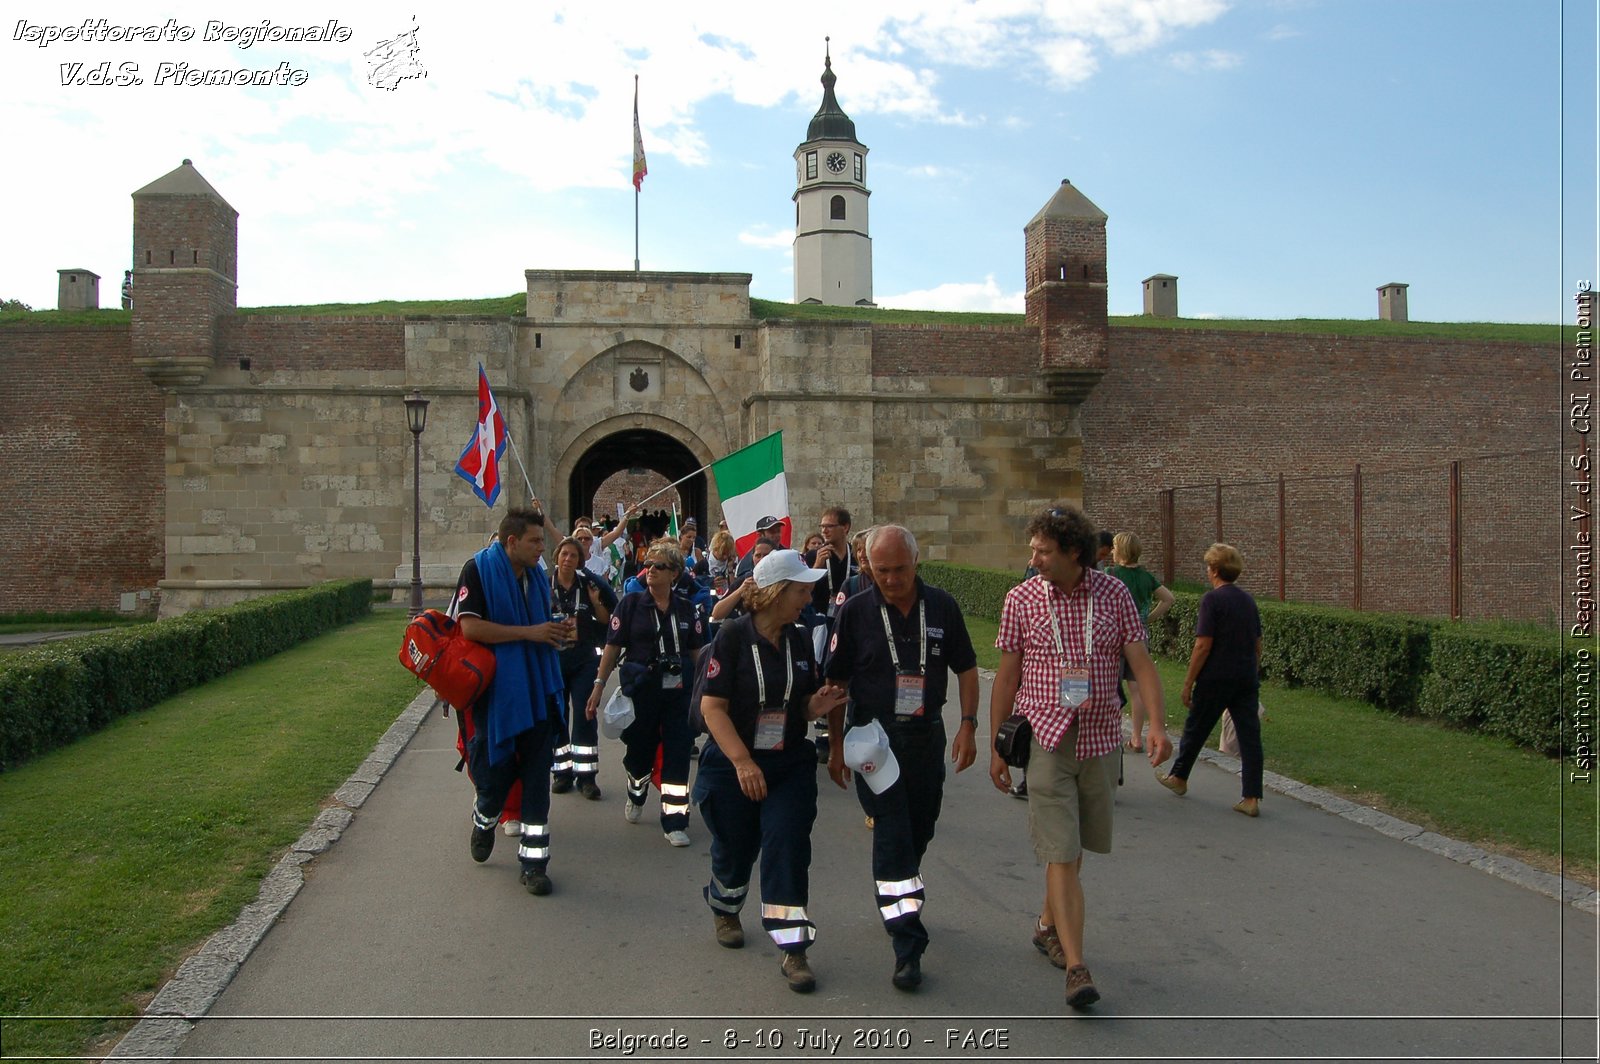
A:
{"points": [[908, 695], [769, 729], [672, 681], [1074, 687]]}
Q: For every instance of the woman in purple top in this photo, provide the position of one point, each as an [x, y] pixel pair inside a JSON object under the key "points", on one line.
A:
{"points": [[1223, 675]]}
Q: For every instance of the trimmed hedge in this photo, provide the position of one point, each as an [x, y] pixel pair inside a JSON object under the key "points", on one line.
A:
{"points": [[53, 694], [1498, 681], [979, 592], [1505, 684]]}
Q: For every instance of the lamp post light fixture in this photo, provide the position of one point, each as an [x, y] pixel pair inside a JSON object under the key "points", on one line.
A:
{"points": [[416, 420]]}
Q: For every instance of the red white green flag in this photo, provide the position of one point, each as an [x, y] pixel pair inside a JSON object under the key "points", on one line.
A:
{"points": [[752, 486]]}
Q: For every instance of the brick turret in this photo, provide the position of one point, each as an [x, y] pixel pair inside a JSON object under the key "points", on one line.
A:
{"points": [[185, 258], [1066, 291]]}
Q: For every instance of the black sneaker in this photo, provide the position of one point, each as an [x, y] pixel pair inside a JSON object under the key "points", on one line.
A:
{"points": [[561, 785], [908, 975], [536, 881], [482, 843], [589, 789], [1020, 789]]}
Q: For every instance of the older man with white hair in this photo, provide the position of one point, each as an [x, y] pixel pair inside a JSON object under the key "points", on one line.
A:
{"points": [[895, 645]]}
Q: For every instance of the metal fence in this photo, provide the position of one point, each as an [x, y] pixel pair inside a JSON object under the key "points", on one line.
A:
{"points": [[1473, 538]]}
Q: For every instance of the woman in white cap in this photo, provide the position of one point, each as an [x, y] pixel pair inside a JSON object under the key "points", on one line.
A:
{"points": [[757, 785]]}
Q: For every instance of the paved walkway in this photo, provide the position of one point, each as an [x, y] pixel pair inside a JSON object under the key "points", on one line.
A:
{"points": [[1317, 931]]}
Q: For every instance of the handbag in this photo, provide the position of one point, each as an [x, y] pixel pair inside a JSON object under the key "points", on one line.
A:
{"points": [[632, 676], [1013, 739]]}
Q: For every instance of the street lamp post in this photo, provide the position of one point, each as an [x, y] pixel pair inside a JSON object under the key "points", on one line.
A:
{"points": [[417, 420]]}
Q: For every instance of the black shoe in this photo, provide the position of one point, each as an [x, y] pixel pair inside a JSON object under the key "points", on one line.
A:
{"points": [[561, 785], [536, 881], [482, 843], [908, 976], [589, 789], [1020, 790]]}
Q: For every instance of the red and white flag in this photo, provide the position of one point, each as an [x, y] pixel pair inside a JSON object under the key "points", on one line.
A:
{"points": [[639, 168], [479, 463]]}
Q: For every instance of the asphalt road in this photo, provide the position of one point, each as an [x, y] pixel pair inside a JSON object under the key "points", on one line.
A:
{"points": [[1299, 935]]}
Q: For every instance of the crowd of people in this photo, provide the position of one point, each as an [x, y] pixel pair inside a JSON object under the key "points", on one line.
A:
{"points": [[756, 651]]}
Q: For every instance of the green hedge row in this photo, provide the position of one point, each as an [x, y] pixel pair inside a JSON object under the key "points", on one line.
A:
{"points": [[979, 592], [1499, 682], [53, 694]]}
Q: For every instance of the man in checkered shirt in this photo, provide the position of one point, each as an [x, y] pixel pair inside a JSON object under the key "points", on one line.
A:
{"points": [[1063, 637]]}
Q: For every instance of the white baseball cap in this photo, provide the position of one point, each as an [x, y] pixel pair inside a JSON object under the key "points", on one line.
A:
{"points": [[785, 565], [866, 750]]}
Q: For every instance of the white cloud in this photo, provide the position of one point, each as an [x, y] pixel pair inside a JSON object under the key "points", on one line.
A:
{"points": [[984, 296], [756, 238], [1210, 59], [1283, 32]]}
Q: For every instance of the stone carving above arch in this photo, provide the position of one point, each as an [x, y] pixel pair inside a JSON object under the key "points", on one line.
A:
{"points": [[640, 379]]}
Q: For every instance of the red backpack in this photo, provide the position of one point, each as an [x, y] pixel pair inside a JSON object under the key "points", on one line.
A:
{"points": [[458, 669]]}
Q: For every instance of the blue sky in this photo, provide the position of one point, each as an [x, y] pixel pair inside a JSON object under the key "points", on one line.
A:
{"points": [[1282, 157]]}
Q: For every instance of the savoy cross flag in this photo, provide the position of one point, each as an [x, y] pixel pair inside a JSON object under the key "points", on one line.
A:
{"points": [[479, 463]]}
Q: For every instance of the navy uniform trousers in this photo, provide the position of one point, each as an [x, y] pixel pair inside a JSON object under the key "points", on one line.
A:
{"points": [[530, 763], [777, 829], [661, 718], [578, 744], [903, 822]]}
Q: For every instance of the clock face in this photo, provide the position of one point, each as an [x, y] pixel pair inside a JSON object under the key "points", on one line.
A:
{"points": [[836, 163]]}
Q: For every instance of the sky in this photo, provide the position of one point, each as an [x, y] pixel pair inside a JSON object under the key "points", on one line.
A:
{"points": [[1283, 158]]}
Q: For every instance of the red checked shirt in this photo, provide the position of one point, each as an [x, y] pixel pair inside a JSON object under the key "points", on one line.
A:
{"points": [[1025, 628]]}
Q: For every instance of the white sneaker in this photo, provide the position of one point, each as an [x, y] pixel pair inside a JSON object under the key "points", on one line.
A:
{"points": [[678, 838], [630, 812], [513, 828]]}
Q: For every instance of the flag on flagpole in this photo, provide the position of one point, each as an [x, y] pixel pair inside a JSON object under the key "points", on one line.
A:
{"points": [[672, 527], [752, 486], [479, 463], [639, 168]]}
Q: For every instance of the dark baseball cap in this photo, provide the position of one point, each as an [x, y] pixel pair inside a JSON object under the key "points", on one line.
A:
{"points": [[766, 523]]}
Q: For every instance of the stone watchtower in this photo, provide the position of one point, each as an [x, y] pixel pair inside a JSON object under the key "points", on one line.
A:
{"points": [[1065, 249], [832, 245], [185, 258]]}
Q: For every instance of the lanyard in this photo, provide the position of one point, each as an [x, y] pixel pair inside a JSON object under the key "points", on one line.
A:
{"points": [[1088, 621], [670, 628], [566, 601], [761, 675], [922, 658]]}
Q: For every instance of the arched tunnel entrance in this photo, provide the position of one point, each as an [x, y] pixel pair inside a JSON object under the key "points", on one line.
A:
{"points": [[639, 450]]}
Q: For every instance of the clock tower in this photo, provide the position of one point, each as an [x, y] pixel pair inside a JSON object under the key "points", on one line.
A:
{"points": [[832, 248]]}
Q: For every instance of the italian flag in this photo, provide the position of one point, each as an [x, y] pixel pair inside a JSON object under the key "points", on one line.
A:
{"points": [[752, 486]]}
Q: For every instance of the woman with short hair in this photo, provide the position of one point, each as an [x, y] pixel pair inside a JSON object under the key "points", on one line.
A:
{"points": [[1224, 675], [757, 786], [657, 630]]}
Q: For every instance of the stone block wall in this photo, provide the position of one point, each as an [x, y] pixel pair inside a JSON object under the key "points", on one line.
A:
{"points": [[80, 451]]}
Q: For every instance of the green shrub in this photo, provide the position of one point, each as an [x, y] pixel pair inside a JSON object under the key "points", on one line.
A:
{"points": [[53, 694], [979, 592], [1503, 683]]}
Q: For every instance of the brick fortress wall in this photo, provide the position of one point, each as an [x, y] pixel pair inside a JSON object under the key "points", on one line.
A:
{"points": [[1189, 407], [80, 444]]}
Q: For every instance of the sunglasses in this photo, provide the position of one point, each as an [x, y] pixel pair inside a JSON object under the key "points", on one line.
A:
{"points": [[662, 567]]}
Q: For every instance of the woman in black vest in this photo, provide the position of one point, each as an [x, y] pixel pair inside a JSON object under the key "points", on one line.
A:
{"points": [[577, 593], [757, 787]]}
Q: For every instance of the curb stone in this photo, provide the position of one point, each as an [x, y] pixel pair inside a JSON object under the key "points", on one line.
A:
{"points": [[200, 980]]}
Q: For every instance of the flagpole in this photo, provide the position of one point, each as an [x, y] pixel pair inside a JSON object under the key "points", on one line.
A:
{"points": [[636, 181], [674, 484]]}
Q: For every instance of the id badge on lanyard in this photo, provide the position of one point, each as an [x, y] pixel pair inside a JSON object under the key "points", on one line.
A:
{"points": [[909, 688], [1074, 683], [772, 721], [910, 685]]}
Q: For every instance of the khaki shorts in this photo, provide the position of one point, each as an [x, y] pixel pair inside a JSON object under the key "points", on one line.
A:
{"points": [[1070, 801]]}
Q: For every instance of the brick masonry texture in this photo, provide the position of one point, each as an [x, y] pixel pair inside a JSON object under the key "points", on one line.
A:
{"points": [[1192, 407], [80, 432], [959, 350], [304, 344]]}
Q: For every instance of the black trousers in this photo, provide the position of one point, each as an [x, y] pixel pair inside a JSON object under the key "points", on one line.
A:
{"points": [[1240, 698], [578, 745], [776, 829], [661, 718], [904, 817], [530, 763]]}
